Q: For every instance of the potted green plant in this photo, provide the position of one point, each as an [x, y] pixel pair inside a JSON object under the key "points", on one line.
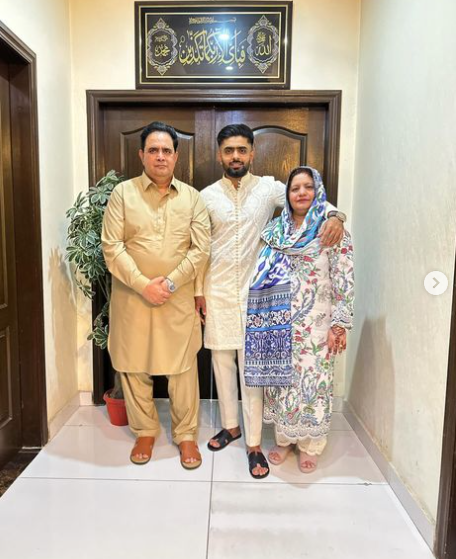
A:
{"points": [[85, 254]]}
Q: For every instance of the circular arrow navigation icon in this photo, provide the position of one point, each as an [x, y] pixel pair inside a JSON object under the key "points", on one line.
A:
{"points": [[436, 283]]}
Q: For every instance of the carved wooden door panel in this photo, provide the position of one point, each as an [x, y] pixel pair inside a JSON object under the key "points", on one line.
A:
{"points": [[10, 405]]}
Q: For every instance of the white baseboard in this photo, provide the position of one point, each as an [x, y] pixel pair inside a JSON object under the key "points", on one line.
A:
{"points": [[85, 398], [424, 525], [63, 416], [79, 399], [338, 404]]}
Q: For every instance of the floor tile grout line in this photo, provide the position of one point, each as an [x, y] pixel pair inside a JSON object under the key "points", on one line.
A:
{"points": [[269, 483], [210, 503], [281, 483], [264, 482], [113, 479], [210, 480]]}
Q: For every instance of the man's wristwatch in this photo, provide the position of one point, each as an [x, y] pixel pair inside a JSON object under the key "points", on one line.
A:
{"points": [[339, 215], [171, 285]]}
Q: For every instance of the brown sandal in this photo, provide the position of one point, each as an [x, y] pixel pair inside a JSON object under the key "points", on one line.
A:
{"points": [[189, 449], [144, 446]]}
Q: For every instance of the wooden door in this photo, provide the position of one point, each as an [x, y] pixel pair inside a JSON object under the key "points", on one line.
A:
{"points": [[10, 403], [291, 129]]}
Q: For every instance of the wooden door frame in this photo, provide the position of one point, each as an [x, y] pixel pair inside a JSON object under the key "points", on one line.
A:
{"points": [[98, 100], [29, 276], [445, 534]]}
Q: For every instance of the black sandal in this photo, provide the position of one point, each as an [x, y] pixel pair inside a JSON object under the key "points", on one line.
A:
{"points": [[257, 459], [224, 438]]}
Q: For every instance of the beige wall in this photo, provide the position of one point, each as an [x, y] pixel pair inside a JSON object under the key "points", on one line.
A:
{"points": [[44, 26], [324, 56], [404, 227]]}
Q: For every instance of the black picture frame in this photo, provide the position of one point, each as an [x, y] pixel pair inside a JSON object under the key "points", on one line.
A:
{"points": [[224, 44]]}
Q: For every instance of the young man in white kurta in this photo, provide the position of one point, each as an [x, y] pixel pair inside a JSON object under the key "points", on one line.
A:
{"points": [[239, 208], [238, 216]]}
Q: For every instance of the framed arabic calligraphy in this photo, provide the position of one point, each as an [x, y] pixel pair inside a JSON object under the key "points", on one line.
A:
{"points": [[227, 44]]}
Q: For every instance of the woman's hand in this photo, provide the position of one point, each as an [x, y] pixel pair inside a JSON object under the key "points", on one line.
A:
{"points": [[337, 340]]}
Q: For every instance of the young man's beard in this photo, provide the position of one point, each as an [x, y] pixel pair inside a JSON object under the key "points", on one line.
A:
{"points": [[236, 173]]}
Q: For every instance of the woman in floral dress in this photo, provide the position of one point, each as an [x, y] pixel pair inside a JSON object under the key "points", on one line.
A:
{"points": [[300, 308]]}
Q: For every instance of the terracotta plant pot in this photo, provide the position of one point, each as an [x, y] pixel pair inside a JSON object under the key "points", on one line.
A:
{"points": [[116, 410]]}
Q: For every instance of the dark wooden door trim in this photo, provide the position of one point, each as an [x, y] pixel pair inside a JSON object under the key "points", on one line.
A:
{"points": [[445, 534], [24, 137], [97, 101]]}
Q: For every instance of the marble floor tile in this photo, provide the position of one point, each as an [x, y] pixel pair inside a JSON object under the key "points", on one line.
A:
{"points": [[104, 519], [103, 451], [345, 460], [87, 416], [313, 521], [81, 497]]}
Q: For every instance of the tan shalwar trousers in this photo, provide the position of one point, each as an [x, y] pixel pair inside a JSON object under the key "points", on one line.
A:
{"points": [[142, 414]]}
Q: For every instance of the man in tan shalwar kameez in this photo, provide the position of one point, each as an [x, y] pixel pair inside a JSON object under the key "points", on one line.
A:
{"points": [[156, 238]]}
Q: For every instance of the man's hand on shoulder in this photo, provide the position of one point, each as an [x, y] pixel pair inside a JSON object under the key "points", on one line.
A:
{"points": [[331, 232], [156, 291]]}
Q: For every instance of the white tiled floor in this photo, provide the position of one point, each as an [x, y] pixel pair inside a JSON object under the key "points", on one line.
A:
{"points": [[82, 498]]}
